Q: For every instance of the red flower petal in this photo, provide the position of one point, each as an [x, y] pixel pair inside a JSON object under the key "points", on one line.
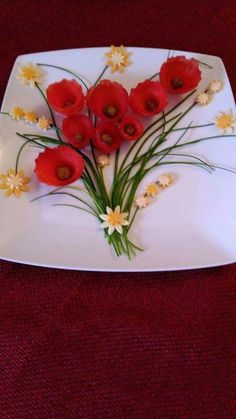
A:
{"points": [[108, 100], [130, 128], [148, 98], [107, 137], [180, 75], [65, 97], [77, 129], [59, 166]]}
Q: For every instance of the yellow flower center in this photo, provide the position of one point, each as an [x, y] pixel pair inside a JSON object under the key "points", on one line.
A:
{"points": [[117, 58], [152, 189], [225, 121], [29, 73], [114, 218], [14, 181]]}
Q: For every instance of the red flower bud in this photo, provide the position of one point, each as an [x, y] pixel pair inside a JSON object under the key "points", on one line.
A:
{"points": [[130, 128], [59, 166], [108, 100], [148, 98], [107, 137], [77, 129], [65, 97], [180, 74]]}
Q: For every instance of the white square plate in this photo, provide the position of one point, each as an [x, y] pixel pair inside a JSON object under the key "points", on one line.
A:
{"points": [[190, 225]]}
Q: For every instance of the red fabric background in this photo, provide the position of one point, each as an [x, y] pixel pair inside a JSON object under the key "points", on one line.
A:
{"points": [[100, 345]]}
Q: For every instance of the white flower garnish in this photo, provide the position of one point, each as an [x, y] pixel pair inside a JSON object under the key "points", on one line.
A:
{"points": [[215, 86], [225, 121], [17, 113], [165, 180], [29, 74], [114, 220], [203, 98], [152, 189], [44, 123], [103, 160], [141, 201]]}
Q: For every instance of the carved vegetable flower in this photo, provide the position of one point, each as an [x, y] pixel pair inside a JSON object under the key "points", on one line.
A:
{"points": [[141, 201], [17, 113], [114, 220], [44, 123], [180, 74], [103, 160], [59, 166], [203, 98], [152, 189], [77, 129], [225, 122], [108, 100], [65, 97], [118, 58], [107, 137], [30, 117], [30, 74], [215, 86], [14, 183], [131, 128], [148, 98], [165, 180]]}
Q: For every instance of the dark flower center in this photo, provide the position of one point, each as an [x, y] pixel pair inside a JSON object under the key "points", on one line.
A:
{"points": [[69, 101], [106, 138], [110, 111], [151, 105], [129, 129], [79, 137], [176, 82], [63, 172]]}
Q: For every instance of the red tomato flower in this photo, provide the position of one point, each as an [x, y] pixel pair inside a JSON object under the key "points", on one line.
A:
{"points": [[130, 128], [77, 129], [59, 166], [180, 74], [107, 137], [108, 100], [148, 98], [65, 97]]}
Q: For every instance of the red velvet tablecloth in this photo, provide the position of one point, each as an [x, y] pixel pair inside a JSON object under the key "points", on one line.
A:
{"points": [[101, 345]]}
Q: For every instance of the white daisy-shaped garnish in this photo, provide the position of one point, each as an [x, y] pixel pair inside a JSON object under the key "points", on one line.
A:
{"points": [[44, 123], [141, 201], [14, 183], [203, 98], [165, 180], [30, 74], [152, 189], [225, 121], [17, 113], [118, 58], [215, 86], [114, 220], [30, 117], [103, 160]]}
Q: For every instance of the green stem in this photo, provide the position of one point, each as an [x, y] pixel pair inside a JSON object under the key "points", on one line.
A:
{"points": [[206, 65], [99, 78], [49, 108], [18, 155], [67, 71], [75, 206]]}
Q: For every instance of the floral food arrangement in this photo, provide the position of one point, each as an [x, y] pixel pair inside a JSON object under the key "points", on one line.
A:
{"points": [[97, 121]]}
